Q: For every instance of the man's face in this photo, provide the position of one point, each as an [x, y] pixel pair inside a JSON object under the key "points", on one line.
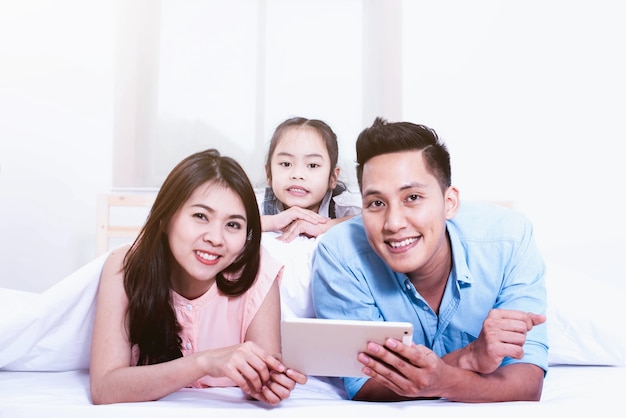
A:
{"points": [[405, 212]]}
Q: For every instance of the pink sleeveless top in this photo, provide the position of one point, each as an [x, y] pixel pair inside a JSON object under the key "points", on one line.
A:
{"points": [[215, 320]]}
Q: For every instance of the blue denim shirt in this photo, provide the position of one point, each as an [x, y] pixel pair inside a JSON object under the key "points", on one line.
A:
{"points": [[496, 264]]}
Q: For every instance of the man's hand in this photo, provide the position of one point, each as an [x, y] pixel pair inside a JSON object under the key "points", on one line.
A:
{"points": [[503, 335], [408, 371]]}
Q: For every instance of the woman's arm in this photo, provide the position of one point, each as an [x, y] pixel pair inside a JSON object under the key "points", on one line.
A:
{"points": [[264, 330], [112, 377]]}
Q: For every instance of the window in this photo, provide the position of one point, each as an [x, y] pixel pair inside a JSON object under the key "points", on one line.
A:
{"points": [[201, 74]]}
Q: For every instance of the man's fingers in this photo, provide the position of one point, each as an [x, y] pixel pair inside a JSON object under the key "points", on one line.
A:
{"points": [[537, 318]]}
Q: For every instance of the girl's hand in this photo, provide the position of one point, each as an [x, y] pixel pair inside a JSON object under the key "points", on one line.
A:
{"points": [[301, 227], [282, 220], [304, 228]]}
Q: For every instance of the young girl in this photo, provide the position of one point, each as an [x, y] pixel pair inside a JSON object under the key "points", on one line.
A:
{"points": [[304, 196], [194, 301]]}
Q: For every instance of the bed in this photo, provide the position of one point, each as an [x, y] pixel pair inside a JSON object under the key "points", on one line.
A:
{"points": [[45, 338]]}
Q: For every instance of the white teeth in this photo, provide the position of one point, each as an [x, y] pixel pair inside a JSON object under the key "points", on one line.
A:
{"points": [[206, 256], [402, 243], [297, 190]]}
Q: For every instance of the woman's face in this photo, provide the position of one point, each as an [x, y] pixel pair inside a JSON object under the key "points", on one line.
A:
{"points": [[206, 234]]}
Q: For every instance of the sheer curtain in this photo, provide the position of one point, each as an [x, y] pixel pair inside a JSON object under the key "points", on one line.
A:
{"points": [[199, 74]]}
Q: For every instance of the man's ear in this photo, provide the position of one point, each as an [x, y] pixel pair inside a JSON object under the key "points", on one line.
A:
{"points": [[452, 202], [334, 178]]}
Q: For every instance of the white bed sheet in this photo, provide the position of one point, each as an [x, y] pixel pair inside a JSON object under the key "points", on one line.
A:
{"points": [[568, 390]]}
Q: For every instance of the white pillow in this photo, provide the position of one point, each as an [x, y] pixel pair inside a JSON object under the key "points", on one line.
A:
{"points": [[585, 319], [295, 285]]}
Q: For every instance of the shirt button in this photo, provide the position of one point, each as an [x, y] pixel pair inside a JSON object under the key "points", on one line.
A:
{"points": [[189, 307], [188, 346], [425, 307]]}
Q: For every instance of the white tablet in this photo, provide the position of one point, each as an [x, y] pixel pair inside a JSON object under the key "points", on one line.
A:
{"points": [[329, 347]]}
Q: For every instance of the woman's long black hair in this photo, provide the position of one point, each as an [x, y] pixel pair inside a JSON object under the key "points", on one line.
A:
{"points": [[151, 319]]}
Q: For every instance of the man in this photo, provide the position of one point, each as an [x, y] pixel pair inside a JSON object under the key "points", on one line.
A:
{"points": [[469, 277]]}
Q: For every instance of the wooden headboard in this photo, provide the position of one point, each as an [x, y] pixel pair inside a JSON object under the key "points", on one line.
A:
{"points": [[120, 216]]}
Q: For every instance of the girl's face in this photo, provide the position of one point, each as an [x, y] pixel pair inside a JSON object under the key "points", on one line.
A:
{"points": [[205, 235], [300, 169]]}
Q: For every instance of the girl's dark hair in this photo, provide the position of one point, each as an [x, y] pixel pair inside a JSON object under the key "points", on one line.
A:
{"points": [[151, 319], [385, 138], [325, 131]]}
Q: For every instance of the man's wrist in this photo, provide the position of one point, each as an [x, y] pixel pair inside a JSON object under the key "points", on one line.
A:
{"points": [[461, 358]]}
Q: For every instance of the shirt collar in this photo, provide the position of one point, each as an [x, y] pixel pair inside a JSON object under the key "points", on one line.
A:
{"points": [[459, 256]]}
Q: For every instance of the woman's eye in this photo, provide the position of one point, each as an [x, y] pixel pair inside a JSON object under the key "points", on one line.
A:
{"points": [[200, 216], [234, 225], [285, 164], [314, 165]]}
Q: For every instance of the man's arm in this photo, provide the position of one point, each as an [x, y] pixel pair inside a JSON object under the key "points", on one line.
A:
{"points": [[503, 334], [400, 372]]}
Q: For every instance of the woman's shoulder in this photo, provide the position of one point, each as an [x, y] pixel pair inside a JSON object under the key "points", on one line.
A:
{"points": [[114, 262]]}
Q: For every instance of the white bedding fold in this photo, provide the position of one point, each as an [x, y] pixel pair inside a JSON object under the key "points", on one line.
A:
{"points": [[50, 331]]}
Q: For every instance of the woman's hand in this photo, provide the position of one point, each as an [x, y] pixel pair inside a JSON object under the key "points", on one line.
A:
{"points": [[279, 386], [247, 365]]}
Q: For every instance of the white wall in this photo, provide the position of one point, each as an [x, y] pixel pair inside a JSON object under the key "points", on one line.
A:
{"points": [[56, 104], [530, 97]]}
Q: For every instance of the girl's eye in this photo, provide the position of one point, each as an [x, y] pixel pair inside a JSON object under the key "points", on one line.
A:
{"points": [[314, 165], [285, 164]]}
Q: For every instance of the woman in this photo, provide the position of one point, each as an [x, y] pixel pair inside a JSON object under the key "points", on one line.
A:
{"points": [[194, 301]]}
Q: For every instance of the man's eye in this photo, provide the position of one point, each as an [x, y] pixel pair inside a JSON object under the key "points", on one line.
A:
{"points": [[376, 204], [413, 198]]}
